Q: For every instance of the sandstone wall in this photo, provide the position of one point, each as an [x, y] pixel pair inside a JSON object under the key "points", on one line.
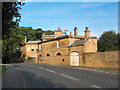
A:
{"points": [[101, 59]]}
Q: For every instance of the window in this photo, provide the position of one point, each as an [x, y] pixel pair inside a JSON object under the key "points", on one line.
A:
{"points": [[40, 55], [39, 47], [37, 56], [47, 54], [58, 44], [28, 49], [32, 48], [58, 54]]}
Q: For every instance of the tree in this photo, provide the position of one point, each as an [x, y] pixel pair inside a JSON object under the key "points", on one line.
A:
{"points": [[11, 46], [11, 37], [118, 35], [10, 11], [108, 41]]}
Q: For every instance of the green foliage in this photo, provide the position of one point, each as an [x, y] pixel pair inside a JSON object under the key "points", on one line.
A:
{"points": [[118, 36], [10, 34], [49, 32], [10, 11], [30, 58], [34, 34], [108, 41]]}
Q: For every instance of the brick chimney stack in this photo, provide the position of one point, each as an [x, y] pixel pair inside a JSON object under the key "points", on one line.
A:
{"points": [[59, 29], [75, 31], [70, 34], [87, 33], [43, 33], [25, 39]]}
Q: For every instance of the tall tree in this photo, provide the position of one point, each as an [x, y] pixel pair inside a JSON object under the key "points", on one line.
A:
{"points": [[108, 41], [10, 19], [10, 11]]}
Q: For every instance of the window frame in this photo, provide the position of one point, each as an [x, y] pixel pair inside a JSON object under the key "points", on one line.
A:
{"points": [[40, 47], [28, 50], [58, 44]]}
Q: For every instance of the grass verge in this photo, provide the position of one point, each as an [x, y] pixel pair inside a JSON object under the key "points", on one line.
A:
{"points": [[3, 69]]}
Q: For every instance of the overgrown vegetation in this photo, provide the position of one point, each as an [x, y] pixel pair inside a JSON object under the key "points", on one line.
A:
{"points": [[109, 41]]}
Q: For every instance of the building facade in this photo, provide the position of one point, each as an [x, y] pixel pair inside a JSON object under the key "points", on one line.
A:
{"points": [[60, 48]]}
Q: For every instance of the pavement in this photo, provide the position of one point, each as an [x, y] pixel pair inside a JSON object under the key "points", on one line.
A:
{"points": [[50, 76]]}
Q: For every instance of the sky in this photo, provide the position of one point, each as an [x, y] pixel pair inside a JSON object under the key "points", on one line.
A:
{"points": [[97, 16]]}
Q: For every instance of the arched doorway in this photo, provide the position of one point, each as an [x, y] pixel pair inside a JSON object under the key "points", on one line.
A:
{"points": [[74, 59]]}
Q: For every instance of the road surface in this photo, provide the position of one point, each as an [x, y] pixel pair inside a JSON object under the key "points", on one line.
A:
{"points": [[50, 76]]}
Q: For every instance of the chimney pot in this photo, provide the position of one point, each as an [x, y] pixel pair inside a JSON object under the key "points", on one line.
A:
{"points": [[75, 31]]}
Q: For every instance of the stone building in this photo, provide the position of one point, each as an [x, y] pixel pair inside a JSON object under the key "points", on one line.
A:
{"points": [[60, 48]]}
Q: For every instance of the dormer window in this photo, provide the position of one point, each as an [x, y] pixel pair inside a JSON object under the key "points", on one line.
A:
{"points": [[58, 44]]}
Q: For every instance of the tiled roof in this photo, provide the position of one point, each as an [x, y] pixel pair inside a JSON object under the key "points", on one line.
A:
{"points": [[78, 42], [47, 35]]}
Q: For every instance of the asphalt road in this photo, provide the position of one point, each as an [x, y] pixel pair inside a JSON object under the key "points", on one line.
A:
{"points": [[49, 76]]}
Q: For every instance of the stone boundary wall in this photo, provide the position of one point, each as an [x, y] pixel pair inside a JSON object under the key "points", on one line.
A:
{"points": [[108, 59]]}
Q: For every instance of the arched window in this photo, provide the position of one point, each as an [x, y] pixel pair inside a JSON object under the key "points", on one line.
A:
{"points": [[58, 54], [47, 54], [40, 55]]}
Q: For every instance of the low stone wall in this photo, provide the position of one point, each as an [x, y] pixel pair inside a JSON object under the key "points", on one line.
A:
{"points": [[56, 60], [102, 59]]}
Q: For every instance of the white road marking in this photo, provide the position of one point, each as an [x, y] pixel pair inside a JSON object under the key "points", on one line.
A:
{"points": [[18, 68], [113, 73], [107, 72], [69, 77], [100, 71], [90, 69], [86, 69], [95, 86], [40, 67], [50, 70], [33, 66]]}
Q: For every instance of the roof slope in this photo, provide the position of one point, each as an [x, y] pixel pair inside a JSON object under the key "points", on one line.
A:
{"points": [[77, 43]]}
